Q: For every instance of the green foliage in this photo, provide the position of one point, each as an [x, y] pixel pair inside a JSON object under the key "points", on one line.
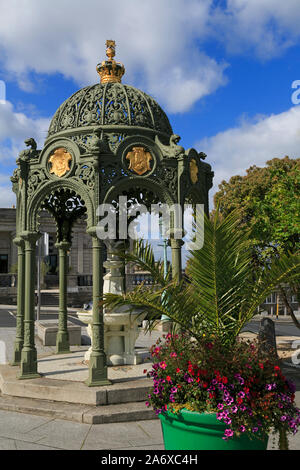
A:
{"points": [[268, 202], [222, 293]]}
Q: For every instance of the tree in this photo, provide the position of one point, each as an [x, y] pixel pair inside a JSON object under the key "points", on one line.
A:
{"points": [[268, 203]]}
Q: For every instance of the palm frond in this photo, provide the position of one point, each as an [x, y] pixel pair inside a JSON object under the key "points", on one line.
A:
{"points": [[222, 294]]}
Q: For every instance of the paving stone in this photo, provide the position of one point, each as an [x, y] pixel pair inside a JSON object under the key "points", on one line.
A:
{"points": [[63, 434], [21, 445], [119, 435], [22, 423], [7, 444], [152, 428]]}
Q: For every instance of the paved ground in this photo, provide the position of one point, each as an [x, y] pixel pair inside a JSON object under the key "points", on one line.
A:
{"points": [[20, 431]]}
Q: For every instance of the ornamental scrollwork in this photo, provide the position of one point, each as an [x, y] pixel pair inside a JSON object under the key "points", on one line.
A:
{"points": [[86, 174], [110, 104], [66, 207], [110, 174], [169, 178], [35, 179]]}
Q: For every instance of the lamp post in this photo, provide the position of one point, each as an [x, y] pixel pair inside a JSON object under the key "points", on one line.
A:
{"points": [[165, 247]]}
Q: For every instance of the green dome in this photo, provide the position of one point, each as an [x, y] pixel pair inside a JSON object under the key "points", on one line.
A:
{"points": [[109, 106]]}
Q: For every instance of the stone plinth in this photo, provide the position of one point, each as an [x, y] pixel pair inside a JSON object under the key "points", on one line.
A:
{"points": [[47, 331], [121, 331]]}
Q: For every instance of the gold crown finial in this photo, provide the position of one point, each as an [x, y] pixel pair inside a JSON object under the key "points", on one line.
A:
{"points": [[110, 70], [110, 49]]}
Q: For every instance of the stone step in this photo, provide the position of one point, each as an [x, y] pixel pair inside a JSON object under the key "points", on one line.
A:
{"points": [[121, 391], [124, 412]]}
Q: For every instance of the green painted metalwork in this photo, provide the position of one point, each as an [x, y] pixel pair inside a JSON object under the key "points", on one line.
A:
{"points": [[29, 354], [62, 338], [19, 341], [96, 129], [97, 363]]}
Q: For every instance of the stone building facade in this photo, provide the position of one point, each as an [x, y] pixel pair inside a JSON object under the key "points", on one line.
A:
{"points": [[80, 259]]}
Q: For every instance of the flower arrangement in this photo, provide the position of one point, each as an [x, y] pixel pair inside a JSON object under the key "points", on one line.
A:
{"points": [[245, 388]]}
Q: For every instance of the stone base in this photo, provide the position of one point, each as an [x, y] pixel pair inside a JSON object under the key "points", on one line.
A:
{"points": [[124, 359], [47, 332], [118, 359], [123, 385]]}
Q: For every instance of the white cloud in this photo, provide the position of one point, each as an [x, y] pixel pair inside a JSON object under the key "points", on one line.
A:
{"points": [[15, 127], [8, 198], [265, 27], [155, 41], [162, 43], [252, 143]]}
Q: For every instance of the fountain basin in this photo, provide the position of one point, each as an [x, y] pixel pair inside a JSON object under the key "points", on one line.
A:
{"points": [[121, 330]]}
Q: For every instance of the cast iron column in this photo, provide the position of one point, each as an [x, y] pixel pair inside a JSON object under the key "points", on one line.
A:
{"points": [[176, 245], [62, 338], [19, 341], [29, 354], [97, 363]]}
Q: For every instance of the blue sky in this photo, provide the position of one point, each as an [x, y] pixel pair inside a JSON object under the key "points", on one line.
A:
{"points": [[222, 70]]}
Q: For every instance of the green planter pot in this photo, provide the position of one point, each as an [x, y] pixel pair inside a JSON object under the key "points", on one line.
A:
{"points": [[189, 430]]}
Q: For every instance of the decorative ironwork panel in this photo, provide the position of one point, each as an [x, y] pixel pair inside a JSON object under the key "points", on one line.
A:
{"points": [[110, 104]]}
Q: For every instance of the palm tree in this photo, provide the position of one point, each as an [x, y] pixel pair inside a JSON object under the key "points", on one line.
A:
{"points": [[223, 291]]}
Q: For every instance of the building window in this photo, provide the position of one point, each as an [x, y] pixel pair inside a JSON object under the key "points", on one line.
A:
{"points": [[3, 264], [271, 299]]}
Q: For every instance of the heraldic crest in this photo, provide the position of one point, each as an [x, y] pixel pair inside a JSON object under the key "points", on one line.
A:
{"points": [[60, 161], [139, 160]]}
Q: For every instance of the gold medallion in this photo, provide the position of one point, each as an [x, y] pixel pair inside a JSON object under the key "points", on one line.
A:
{"points": [[194, 171], [139, 160], [60, 161]]}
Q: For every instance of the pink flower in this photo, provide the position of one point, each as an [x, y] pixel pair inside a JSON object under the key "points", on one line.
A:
{"points": [[162, 365]]}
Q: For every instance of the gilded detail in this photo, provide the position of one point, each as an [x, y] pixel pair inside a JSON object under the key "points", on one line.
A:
{"points": [[109, 70], [194, 171], [60, 161], [139, 160]]}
